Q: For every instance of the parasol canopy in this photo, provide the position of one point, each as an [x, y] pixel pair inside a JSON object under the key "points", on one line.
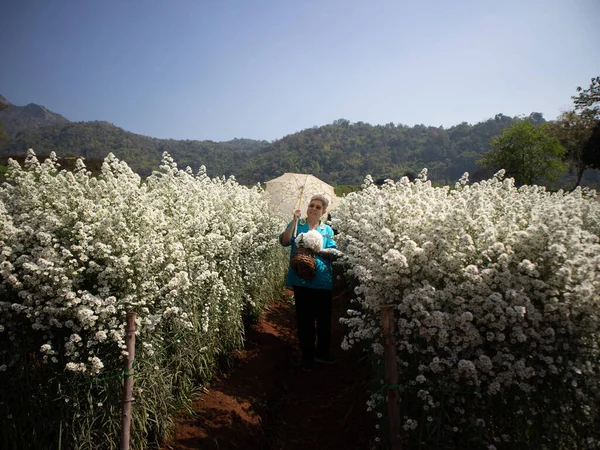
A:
{"points": [[293, 191]]}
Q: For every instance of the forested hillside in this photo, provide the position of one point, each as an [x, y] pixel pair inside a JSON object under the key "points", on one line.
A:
{"points": [[98, 139], [341, 153]]}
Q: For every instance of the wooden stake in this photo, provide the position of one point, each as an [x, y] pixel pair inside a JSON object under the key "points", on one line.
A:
{"points": [[128, 381], [391, 374]]}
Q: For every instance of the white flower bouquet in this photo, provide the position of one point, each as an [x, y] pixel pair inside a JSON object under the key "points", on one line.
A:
{"points": [[312, 240]]}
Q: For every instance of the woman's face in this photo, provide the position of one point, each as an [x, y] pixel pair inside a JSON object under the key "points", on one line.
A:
{"points": [[315, 209]]}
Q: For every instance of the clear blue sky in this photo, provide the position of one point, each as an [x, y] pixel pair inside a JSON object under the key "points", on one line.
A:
{"points": [[262, 69]]}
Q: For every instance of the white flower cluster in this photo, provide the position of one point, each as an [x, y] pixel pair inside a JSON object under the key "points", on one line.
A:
{"points": [[78, 252], [496, 291], [313, 240]]}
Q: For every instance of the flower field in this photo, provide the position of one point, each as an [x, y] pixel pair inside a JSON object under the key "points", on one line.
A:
{"points": [[193, 256], [496, 293]]}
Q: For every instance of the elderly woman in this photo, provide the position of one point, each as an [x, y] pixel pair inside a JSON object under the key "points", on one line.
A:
{"points": [[313, 297]]}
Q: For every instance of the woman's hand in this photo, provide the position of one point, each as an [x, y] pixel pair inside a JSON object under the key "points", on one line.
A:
{"points": [[330, 253], [286, 236]]}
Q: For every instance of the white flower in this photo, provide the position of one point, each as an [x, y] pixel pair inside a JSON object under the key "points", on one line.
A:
{"points": [[101, 336], [46, 348], [97, 364]]}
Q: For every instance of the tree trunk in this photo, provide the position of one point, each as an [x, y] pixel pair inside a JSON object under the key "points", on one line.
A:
{"points": [[580, 171]]}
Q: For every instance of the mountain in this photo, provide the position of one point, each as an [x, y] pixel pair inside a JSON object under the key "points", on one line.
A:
{"points": [[27, 118], [343, 152], [95, 140], [34, 126], [340, 153]]}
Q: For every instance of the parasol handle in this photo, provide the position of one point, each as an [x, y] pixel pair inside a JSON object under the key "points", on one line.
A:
{"points": [[298, 207]]}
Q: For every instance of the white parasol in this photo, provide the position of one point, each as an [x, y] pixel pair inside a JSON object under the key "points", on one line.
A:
{"points": [[293, 191]]}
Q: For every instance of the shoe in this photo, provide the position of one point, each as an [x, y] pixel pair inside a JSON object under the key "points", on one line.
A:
{"points": [[309, 366], [329, 359]]}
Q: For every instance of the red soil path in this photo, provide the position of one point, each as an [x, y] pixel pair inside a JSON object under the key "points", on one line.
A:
{"points": [[266, 402]]}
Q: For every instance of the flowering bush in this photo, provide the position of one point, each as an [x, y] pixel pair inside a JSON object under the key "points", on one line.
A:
{"points": [[78, 253], [496, 292]]}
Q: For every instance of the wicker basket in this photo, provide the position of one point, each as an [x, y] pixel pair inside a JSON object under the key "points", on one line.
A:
{"points": [[304, 263]]}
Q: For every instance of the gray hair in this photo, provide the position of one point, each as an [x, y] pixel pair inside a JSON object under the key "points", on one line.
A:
{"points": [[324, 200]]}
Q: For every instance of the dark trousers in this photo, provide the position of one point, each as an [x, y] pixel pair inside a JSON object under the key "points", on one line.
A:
{"points": [[313, 304]]}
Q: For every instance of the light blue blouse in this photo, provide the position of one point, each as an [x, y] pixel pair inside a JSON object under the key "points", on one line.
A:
{"points": [[323, 277]]}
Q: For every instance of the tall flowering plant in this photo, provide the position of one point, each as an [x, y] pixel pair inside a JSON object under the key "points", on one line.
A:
{"points": [[188, 253], [496, 292]]}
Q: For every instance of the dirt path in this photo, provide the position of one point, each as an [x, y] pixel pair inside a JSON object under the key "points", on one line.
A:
{"points": [[266, 402]]}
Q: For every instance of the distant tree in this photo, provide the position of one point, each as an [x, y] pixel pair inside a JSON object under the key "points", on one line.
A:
{"points": [[341, 122], [587, 102], [573, 133], [577, 130], [591, 149], [527, 152], [536, 118]]}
